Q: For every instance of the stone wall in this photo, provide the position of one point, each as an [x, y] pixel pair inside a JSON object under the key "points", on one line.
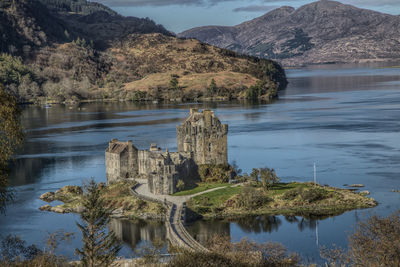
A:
{"points": [[168, 169], [121, 160]]}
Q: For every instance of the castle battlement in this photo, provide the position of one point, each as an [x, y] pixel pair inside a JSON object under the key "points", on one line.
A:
{"points": [[201, 139]]}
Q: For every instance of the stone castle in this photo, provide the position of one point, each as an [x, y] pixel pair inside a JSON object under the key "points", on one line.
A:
{"points": [[201, 139]]}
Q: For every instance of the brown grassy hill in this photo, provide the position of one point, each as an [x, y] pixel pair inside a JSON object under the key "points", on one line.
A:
{"points": [[136, 59], [149, 62]]}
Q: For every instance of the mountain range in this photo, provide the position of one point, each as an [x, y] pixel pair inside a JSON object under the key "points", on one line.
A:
{"points": [[316, 33]]}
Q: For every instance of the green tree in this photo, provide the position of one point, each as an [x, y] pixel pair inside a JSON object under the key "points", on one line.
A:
{"points": [[212, 89], [255, 174], [180, 185], [11, 137], [268, 177], [99, 247], [12, 70], [174, 83]]}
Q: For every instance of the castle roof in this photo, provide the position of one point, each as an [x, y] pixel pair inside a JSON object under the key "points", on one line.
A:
{"points": [[117, 148]]}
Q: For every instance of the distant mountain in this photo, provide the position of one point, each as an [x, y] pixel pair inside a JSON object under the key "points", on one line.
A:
{"points": [[73, 50], [320, 32]]}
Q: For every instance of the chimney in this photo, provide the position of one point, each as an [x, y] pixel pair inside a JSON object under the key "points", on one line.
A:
{"points": [[193, 110]]}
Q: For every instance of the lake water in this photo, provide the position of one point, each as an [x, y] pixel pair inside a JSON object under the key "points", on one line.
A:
{"points": [[343, 118]]}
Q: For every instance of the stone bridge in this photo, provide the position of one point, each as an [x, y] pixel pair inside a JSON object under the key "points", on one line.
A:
{"points": [[175, 216]]}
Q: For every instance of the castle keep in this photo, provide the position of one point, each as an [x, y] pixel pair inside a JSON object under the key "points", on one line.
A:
{"points": [[201, 139]]}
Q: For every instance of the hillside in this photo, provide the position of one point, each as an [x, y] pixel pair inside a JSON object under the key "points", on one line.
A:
{"points": [[320, 32], [81, 52]]}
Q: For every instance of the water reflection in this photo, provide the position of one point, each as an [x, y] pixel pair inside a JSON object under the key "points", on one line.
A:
{"points": [[203, 231], [136, 232]]}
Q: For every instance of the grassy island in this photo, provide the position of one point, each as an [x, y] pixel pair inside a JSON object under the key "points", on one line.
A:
{"points": [[219, 199], [117, 196], [280, 198]]}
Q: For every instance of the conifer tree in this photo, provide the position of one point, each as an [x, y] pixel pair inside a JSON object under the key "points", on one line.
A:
{"points": [[99, 247], [11, 137]]}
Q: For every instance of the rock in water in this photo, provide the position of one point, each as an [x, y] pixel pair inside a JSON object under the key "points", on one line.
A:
{"points": [[45, 208], [70, 189], [48, 197], [356, 185]]}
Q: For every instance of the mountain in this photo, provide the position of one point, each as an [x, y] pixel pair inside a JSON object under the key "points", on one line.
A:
{"points": [[74, 50], [27, 24], [320, 32]]}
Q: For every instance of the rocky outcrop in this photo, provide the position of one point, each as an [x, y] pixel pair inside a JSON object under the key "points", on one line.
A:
{"points": [[48, 196], [320, 32]]}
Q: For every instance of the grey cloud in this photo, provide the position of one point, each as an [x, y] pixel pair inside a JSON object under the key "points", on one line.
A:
{"points": [[254, 8]]}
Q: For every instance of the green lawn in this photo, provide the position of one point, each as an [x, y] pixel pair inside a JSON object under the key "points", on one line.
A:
{"points": [[280, 188], [218, 197], [200, 188]]}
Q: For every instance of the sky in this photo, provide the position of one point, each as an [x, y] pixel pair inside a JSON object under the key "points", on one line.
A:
{"points": [[180, 15]]}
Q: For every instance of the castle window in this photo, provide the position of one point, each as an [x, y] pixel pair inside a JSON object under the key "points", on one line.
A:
{"points": [[209, 147]]}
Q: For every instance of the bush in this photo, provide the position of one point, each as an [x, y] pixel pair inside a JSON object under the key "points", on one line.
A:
{"points": [[216, 173], [251, 197], [180, 185], [376, 242], [244, 253], [291, 194], [16, 253], [313, 194]]}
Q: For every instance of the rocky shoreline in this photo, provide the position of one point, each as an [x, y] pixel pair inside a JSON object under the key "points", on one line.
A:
{"points": [[125, 205]]}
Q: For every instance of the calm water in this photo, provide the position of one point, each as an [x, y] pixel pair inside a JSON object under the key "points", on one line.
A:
{"points": [[344, 118]]}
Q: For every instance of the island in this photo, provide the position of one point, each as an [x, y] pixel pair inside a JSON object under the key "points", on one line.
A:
{"points": [[201, 164], [197, 182]]}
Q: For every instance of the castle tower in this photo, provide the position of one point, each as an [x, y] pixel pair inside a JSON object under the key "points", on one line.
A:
{"points": [[121, 160], [203, 135]]}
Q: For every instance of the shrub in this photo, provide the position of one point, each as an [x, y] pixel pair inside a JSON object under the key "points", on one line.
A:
{"points": [[376, 242], [244, 253], [251, 197], [313, 194], [216, 173], [291, 194], [16, 253], [180, 185]]}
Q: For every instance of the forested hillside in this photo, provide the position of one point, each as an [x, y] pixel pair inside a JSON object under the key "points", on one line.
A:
{"points": [[70, 50], [82, 7]]}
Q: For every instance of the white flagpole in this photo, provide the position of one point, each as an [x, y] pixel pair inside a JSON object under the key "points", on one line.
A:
{"points": [[315, 174]]}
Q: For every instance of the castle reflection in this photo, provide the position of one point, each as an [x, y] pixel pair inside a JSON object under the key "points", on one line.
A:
{"points": [[135, 232]]}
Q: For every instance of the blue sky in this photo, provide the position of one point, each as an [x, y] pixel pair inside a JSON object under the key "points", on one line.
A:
{"points": [[180, 15]]}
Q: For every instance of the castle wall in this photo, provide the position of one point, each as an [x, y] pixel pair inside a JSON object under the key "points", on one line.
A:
{"points": [[205, 136], [121, 161], [112, 167]]}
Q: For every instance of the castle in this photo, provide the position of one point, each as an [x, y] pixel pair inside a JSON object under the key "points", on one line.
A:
{"points": [[201, 139]]}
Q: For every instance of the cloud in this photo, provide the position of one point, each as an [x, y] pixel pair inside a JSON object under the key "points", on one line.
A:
{"points": [[254, 8]]}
